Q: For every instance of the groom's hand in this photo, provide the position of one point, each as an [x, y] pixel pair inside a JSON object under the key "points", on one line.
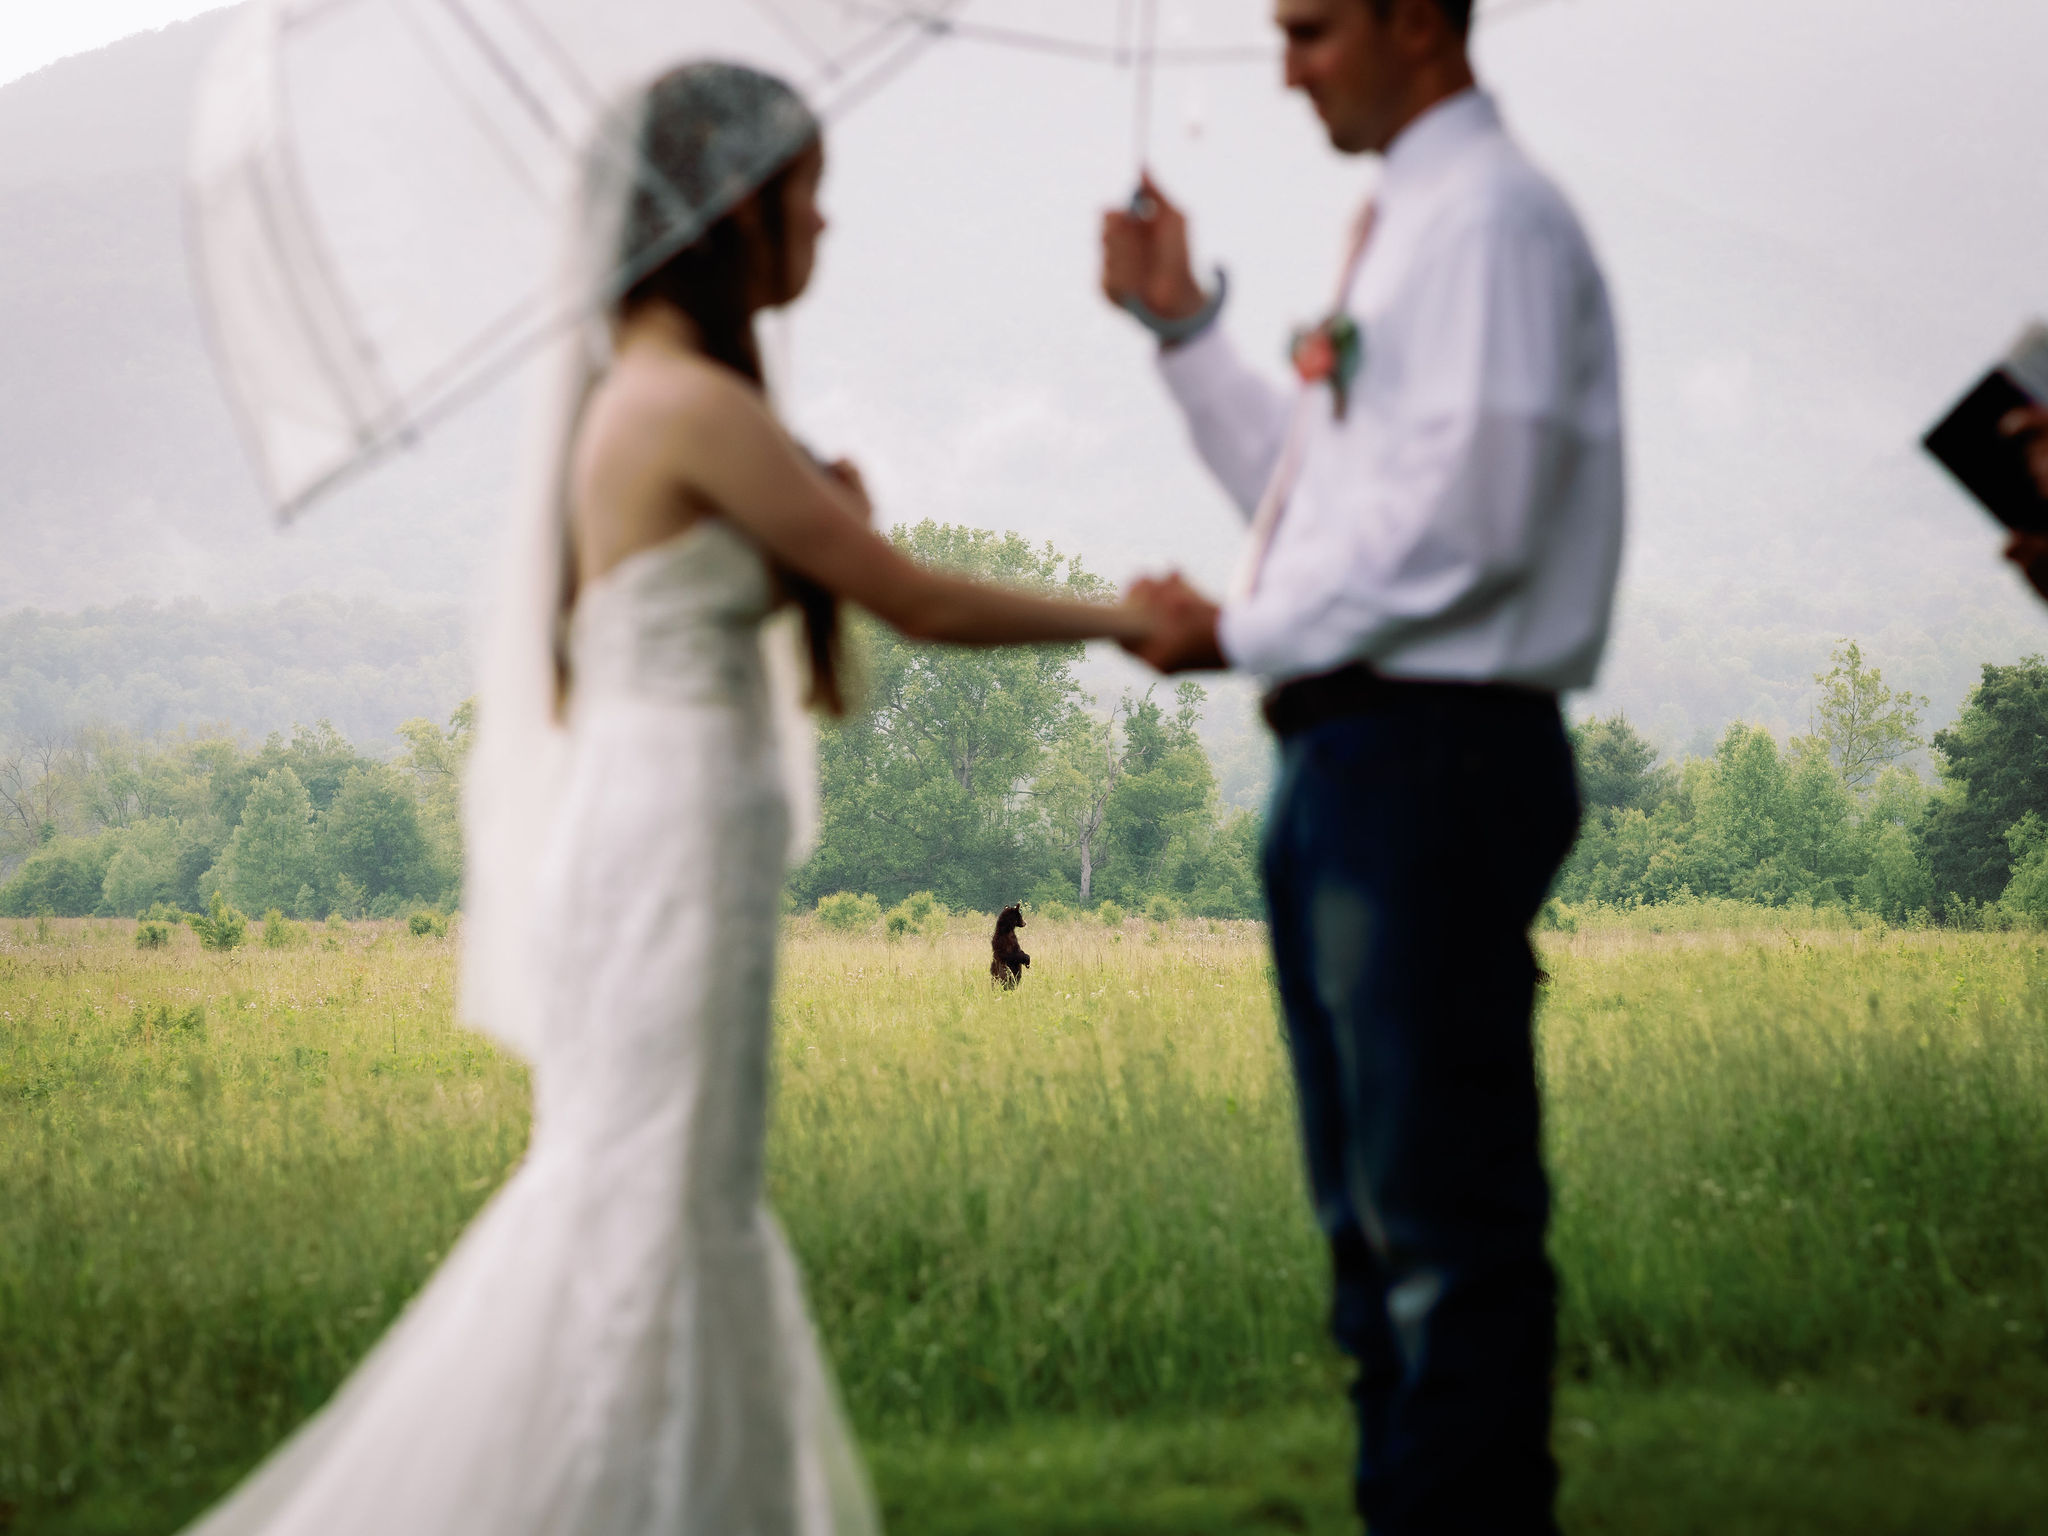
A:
{"points": [[1145, 256], [2029, 551], [1182, 634]]}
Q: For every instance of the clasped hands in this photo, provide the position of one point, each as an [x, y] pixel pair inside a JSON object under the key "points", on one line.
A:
{"points": [[1181, 633]]}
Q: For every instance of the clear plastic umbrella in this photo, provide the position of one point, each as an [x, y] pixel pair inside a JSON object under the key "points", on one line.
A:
{"points": [[377, 188]]}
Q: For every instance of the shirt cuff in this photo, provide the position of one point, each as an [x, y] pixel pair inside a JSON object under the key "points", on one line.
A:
{"points": [[1267, 638], [1190, 368], [1237, 636]]}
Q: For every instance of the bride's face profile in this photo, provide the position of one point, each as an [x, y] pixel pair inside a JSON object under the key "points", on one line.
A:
{"points": [[803, 223], [783, 252]]}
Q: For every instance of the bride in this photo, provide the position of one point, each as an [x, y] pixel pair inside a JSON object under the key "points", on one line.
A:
{"points": [[619, 1342]]}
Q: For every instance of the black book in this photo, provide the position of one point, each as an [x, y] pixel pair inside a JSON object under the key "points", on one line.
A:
{"points": [[1973, 446]]}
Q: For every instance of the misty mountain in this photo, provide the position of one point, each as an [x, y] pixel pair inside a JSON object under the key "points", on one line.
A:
{"points": [[1806, 212], [123, 476], [153, 668]]}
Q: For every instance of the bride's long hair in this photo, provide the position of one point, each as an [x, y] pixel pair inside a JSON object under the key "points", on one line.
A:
{"points": [[717, 280]]}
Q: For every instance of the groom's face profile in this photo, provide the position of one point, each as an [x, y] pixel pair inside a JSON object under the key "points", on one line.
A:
{"points": [[1359, 62]]}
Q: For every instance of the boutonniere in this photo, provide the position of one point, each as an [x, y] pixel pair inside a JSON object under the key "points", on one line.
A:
{"points": [[1330, 353]]}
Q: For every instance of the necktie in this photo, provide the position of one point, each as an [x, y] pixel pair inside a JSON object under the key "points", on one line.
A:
{"points": [[1287, 470]]}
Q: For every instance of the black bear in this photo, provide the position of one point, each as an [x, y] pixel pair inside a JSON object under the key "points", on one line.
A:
{"points": [[1007, 968]]}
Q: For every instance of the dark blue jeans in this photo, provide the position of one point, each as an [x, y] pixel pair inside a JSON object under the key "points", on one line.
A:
{"points": [[1407, 851]]}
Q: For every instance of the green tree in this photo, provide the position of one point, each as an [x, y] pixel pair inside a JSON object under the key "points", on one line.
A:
{"points": [[62, 878], [1769, 825], [221, 926], [1218, 870], [1863, 726], [371, 835], [1628, 813], [1894, 880], [433, 762], [145, 868], [1631, 856], [38, 785], [2026, 894], [1737, 841], [1817, 824], [1074, 790], [1162, 810], [124, 780], [273, 850], [1617, 768], [924, 788], [1994, 763], [319, 757]]}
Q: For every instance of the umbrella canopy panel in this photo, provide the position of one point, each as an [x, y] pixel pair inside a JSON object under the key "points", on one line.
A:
{"points": [[379, 189]]}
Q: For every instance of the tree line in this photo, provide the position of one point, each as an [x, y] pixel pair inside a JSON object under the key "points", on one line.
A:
{"points": [[108, 823], [1832, 817], [977, 778]]}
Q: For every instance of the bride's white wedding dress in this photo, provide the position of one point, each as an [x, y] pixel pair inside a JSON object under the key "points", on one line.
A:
{"points": [[619, 1344]]}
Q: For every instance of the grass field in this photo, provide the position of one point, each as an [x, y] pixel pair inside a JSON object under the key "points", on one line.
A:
{"points": [[1056, 1239]]}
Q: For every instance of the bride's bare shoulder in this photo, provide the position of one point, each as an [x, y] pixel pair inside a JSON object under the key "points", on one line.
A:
{"points": [[680, 395]]}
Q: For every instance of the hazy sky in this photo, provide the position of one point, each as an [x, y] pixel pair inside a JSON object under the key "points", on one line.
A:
{"points": [[40, 32]]}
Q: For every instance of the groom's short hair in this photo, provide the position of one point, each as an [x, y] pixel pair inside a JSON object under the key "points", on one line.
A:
{"points": [[1457, 12]]}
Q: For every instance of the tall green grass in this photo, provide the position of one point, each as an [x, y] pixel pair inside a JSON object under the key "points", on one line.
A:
{"points": [[1082, 1195], [1785, 1157], [1777, 1155], [220, 1177]]}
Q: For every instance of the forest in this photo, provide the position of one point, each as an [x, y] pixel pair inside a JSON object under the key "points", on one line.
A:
{"points": [[971, 779]]}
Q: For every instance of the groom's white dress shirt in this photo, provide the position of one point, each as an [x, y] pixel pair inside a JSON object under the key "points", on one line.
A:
{"points": [[1463, 520]]}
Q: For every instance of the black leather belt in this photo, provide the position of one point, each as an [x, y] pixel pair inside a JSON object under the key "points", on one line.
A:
{"points": [[1357, 689]]}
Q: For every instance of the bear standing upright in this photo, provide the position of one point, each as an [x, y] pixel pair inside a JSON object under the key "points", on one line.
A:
{"points": [[1006, 969]]}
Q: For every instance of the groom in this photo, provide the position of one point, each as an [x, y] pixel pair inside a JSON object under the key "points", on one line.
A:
{"points": [[1436, 527]]}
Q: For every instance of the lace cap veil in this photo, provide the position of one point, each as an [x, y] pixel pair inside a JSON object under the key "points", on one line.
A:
{"points": [[724, 130]]}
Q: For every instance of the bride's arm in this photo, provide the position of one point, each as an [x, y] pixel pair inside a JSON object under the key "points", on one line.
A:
{"points": [[731, 451]]}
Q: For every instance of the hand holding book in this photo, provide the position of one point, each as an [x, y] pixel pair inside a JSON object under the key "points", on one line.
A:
{"points": [[2029, 551], [2030, 425]]}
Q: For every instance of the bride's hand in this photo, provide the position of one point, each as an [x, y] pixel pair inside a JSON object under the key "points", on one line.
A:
{"points": [[1179, 626], [847, 475]]}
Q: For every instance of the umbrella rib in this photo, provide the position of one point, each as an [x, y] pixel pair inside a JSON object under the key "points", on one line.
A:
{"points": [[472, 108], [292, 182], [362, 428], [1065, 47], [894, 22], [1119, 53], [552, 46], [796, 35], [1148, 52], [881, 73], [522, 90]]}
